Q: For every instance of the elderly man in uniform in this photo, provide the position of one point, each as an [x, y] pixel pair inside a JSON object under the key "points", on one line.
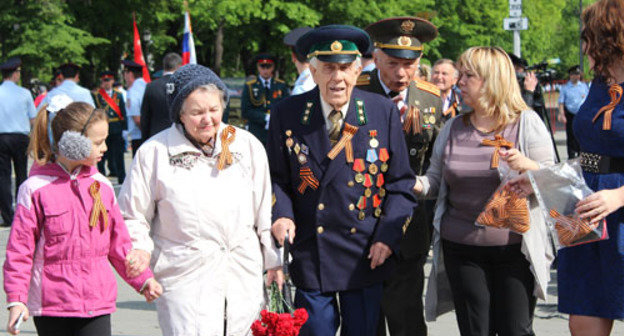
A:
{"points": [[133, 76], [113, 103], [340, 176], [398, 48], [304, 82], [70, 73], [260, 95], [17, 111]]}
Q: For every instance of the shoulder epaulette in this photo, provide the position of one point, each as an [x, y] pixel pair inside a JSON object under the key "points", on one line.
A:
{"points": [[429, 87], [364, 79], [279, 81], [251, 82]]}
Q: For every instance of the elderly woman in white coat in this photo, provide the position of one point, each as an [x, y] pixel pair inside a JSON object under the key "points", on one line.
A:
{"points": [[197, 204]]}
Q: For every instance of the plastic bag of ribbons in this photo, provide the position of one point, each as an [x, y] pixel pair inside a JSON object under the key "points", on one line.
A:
{"points": [[558, 188], [506, 209]]}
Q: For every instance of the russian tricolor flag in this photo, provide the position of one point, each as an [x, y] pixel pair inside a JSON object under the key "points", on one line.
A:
{"points": [[188, 45]]}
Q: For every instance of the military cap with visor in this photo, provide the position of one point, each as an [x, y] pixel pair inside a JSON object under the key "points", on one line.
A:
{"points": [[132, 65], [265, 58], [334, 43], [107, 75], [575, 70], [402, 37], [11, 64]]}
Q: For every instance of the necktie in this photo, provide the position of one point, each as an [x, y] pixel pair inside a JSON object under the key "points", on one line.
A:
{"points": [[400, 103], [334, 131]]}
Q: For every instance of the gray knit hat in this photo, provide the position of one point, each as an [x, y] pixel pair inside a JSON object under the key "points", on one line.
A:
{"points": [[184, 81]]}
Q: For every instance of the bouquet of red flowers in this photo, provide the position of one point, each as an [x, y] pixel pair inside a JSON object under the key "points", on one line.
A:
{"points": [[278, 319]]}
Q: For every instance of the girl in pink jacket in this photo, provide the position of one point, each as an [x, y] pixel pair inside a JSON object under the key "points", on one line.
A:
{"points": [[67, 230]]}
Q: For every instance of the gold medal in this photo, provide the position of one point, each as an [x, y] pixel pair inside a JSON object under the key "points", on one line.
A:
{"points": [[359, 178], [350, 183], [384, 167], [290, 142], [432, 120], [382, 192], [361, 215], [297, 149], [373, 169], [288, 133], [368, 192], [302, 158], [377, 212], [374, 143]]}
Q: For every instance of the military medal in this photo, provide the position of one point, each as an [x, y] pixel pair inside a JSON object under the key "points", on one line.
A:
{"points": [[297, 149], [368, 182], [371, 156], [289, 141], [374, 143], [305, 150], [379, 184], [302, 158], [358, 166], [373, 169], [361, 204], [376, 205], [383, 157]]}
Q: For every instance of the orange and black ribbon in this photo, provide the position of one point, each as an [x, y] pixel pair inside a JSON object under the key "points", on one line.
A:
{"points": [[412, 121], [345, 142], [452, 110], [98, 206], [498, 143], [307, 180], [227, 137], [615, 92]]}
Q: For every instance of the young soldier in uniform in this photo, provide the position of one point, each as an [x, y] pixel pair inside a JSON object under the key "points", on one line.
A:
{"points": [[340, 176], [113, 103], [260, 95], [398, 47]]}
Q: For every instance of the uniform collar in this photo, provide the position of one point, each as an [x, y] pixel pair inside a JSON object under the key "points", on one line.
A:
{"points": [[386, 89], [265, 82]]}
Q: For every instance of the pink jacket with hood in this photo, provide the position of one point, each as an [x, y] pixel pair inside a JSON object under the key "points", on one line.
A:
{"points": [[55, 262]]}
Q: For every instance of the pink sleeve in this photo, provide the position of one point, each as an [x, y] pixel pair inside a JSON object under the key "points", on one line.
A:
{"points": [[20, 250], [120, 245]]}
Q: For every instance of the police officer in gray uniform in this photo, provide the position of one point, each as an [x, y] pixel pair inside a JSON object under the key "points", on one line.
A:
{"points": [[398, 48], [17, 110]]}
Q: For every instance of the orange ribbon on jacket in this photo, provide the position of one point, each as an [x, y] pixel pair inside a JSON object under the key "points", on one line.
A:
{"points": [[227, 137], [307, 180], [498, 142], [98, 206], [412, 121], [345, 142], [615, 92], [452, 110]]}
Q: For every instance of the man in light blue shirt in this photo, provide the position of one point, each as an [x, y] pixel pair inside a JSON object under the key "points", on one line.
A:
{"points": [[304, 82], [70, 87], [571, 97], [17, 111], [133, 76]]}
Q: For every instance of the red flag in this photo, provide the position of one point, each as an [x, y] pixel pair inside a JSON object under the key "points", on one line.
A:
{"points": [[138, 53]]}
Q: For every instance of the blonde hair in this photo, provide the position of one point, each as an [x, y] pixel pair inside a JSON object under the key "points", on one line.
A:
{"points": [[76, 116], [501, 96]]}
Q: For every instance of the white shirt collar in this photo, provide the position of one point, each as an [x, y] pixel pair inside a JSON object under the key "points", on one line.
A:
{"points": [[387, 90], [326, 108], [265, 82]]}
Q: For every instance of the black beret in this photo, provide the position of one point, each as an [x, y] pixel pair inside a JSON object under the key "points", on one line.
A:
{"points": [[184, 81]]}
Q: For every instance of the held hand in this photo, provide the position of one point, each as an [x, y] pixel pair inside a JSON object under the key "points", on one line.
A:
{"points": [[378, 254], [152, 291], [520, 185], [136, 262], [530, 81], [281, 227], [275, 275], [516, 160], [418, 187], [14, 313], [561, 117], [599, 205]]}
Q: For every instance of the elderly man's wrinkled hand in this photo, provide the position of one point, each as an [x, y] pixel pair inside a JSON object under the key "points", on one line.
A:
{"points": [[152, 291], [275, 275], [281, 227], [378, 254], [136, 262]]}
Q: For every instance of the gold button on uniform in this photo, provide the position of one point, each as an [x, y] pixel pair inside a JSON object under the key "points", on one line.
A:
{"points": [[353, 230], [319, 230], [350, 183], [351, 206], [321, 206]]}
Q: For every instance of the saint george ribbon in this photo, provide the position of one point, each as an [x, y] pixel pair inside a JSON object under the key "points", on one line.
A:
{"points": [[412, 121], [98, 207], [345, 142], [307, 180], [452, 110], [615, 92], [227, 137], [497, 143]]}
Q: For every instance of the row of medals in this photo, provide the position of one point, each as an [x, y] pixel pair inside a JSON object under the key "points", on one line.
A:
{"points": [[373, 169], [301, 151]]}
